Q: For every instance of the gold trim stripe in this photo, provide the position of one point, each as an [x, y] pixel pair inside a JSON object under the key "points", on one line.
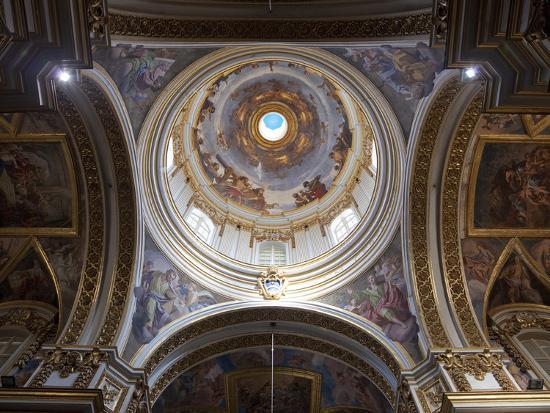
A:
{"points": [[449, 224], [419, 191]]}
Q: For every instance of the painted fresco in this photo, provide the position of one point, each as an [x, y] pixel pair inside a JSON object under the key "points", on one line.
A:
{"points": [[164, 295], [479, 257], [293, 391], [203, 387], [497, 123], [36, 190], [66, 257], [513, 186], [27, 278], [540, 251], [516, 283], [265, 178], [8, 249], [140, 73], [404, 75], [65, 254], [380, 296]]}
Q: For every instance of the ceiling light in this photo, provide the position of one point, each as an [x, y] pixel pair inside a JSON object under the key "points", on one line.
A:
{"points": [[471, 72], [64, 76]]}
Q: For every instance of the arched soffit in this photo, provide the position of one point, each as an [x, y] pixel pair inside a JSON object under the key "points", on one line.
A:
{"points": [[129, 265], [108, 157], [319, 322], [436, 141], [234, 357], [237, 279]]}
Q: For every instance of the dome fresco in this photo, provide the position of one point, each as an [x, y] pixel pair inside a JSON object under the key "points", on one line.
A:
{"points": [[272, 136]]}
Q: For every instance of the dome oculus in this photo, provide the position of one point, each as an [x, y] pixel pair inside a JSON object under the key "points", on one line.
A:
{"points": [[273, 126]]}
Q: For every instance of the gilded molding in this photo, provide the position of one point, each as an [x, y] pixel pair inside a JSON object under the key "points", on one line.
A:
{"points": [[257, 340], [67, 362], [33, 321], [419, 193], [431, 394], [406, 402], [272, 314], [113, 392], [139, 402], [98, 22], [91, 276], [172, 28], [127, 232], [450, 233], [476, 365]]}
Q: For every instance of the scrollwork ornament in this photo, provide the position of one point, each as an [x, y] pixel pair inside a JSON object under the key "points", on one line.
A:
{"points": [[476, 365], [67, 362]]}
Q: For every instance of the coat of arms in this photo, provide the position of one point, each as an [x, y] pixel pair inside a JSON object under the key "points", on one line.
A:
{"points": [[272, 283]]}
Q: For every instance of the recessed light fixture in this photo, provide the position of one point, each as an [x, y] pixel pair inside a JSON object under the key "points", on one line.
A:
{"points": [[471, 72], [64, 76]]}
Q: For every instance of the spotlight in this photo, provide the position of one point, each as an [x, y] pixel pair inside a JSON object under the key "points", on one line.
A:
{"points": [[471, 72], [64, 76]]}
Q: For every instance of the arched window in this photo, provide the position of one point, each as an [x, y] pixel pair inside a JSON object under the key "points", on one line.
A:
{"points": [[537, 349], [12, 342], [272, 253], [343, 224], [170, 155], [200, 224]]}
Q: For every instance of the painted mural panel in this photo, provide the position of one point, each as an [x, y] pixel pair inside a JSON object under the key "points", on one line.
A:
{"points": [[204, 387], [540, 251], [403, 74], [479, 259], [517, 283], [294, 390], [37, 188], [140, 73], [512, 187], [380, 296], [273, 177], [165, 294], [28, 277]]}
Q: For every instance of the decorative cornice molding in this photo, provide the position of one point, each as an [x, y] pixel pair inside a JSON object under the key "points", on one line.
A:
{"points": [[264, 29], [419, 193], [449, 224], [257, 340], [121, 283]]}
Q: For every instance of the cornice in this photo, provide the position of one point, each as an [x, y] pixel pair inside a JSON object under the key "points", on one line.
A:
{"points": [[268, 29]]}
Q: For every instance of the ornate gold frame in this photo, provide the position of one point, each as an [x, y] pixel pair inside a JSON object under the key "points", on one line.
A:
{"points": [[108, 378], [231, 385], [70, 167], [32, 244], [471, 230]]}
